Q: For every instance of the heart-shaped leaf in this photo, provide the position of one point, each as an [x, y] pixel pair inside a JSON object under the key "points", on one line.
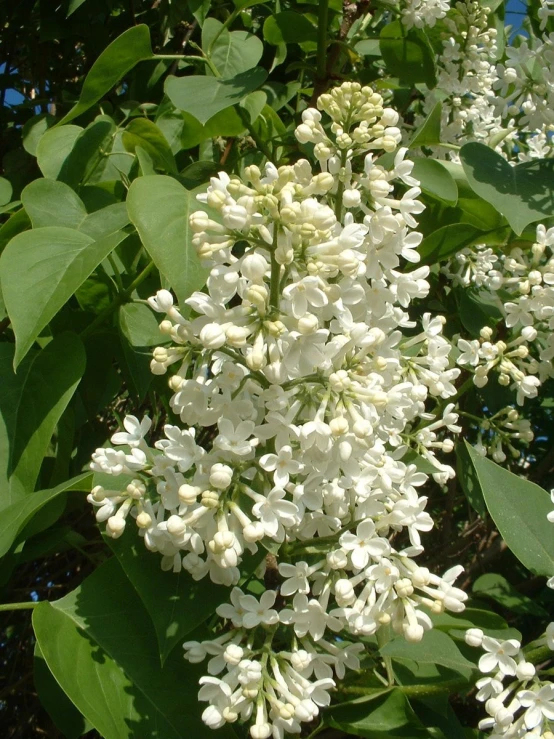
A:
{"points": [[519, 508], [31, 404], [522, 194], [113, 63], [159, 207], [40, 270], [203, 97]]}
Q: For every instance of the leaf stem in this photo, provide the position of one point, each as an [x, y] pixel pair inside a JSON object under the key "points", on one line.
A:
{"points": [[454, 147], [27, 605], [117, 301], [243, 115]]}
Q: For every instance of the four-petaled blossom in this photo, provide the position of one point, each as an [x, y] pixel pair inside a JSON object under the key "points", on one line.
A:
{"points": [[364, 544]]}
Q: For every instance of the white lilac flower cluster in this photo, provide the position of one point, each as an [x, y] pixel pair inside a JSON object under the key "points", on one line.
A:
{"points": [[507, 104], [421, 13], [303, 385], [525, 707], [466, 73], [521, 284]]}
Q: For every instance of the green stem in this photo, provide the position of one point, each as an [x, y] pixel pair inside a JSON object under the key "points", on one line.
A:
{"points": [[28, 605], [230, 20], [117, 275], [414, 691], [340, 188], [322, 24], [454, 147], [274, 279], [383, 637], [117, 301], [540, 654]]}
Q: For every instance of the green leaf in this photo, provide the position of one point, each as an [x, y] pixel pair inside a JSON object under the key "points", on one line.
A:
{"points": [[436, 648], [61, 710], [519, 509], [54, 147], [458, 623], [142, 132], [105, 221], [114, 62], [139, 332], [429, 133], [232, 52], [522, 194], [160, 207], [288, 27], [435, 180], [16, 516], [448, 240], [203, 97], [385, 715], [6, 191], [139, 325], [40, 270], [176, 603], [497, 588], [16, 223], [408, 54], [31, 404], [89, 152], [476, 308], [33, 129], [100, 645], [469, 481], [52, 203]]}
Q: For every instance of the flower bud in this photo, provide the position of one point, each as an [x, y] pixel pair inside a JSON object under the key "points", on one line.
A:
{"points": [[221, 476], [474, 637], [212, 336]]}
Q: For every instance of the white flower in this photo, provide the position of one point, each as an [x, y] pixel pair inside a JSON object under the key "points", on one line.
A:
{"points": [[259, 612], [275, 513], [500, 654], [538, 703], [364, 544], [308, 617], [281, 464], [236, 439], [296, 578], [136, 431]]}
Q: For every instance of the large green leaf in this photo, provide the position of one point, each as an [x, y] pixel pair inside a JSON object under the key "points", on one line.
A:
{"points": [[31, 404], [519, 509], [435, 649], [203, 97], [176, 603], [52, 203], [522, 194], [231, 52], [61, 710], [40, 270], [436, 180], [142, 132], [16, 516], [288, 27], [160, 207], [408, 54], [495, 586], [54, 147], [100, 646], [429, 133], [114, 62], [448, 240], [386, 714]]}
